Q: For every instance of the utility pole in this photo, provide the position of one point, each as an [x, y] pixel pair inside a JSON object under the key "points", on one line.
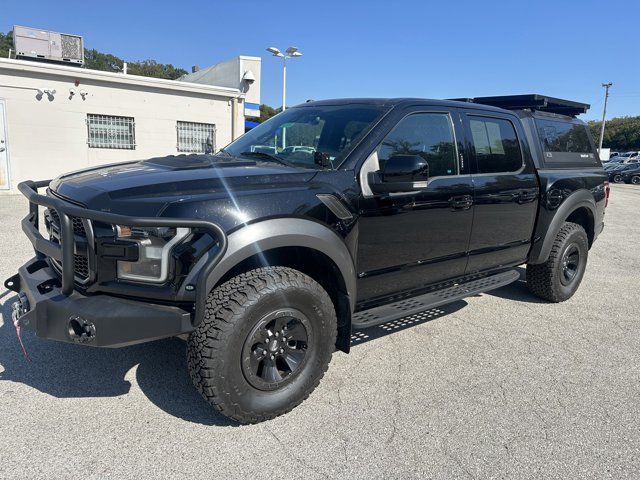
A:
{"points": [[604, 113]]}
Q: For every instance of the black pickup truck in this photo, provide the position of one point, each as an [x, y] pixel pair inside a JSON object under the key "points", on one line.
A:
{"points": [[333, 215]]}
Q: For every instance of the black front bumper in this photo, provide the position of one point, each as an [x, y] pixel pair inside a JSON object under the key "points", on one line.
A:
{"points": [[50, 305], [96, 320]]}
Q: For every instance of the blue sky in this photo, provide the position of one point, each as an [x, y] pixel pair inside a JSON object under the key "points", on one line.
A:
{"points": [[368, 48]]}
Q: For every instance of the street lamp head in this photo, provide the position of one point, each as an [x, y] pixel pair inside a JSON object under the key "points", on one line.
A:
{"points": [[295, 54], [274, 51], [291, 50]]}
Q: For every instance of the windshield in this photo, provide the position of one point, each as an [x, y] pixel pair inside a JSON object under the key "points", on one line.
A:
{"points": [[309, 136]]}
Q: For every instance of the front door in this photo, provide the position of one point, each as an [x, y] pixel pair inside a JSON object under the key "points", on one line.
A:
{"points": [[4, 149], [410, 240]]}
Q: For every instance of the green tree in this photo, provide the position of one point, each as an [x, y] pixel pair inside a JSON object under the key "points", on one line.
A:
{"points": [[6, 43], [108, 62], [266, 112], [622, 133], [151, 68]]}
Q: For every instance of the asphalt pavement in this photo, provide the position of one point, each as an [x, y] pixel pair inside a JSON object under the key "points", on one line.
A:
{"points": [[501, 385]]}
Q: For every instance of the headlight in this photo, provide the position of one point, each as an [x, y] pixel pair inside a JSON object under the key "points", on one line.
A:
{"points": [[154, 249]]}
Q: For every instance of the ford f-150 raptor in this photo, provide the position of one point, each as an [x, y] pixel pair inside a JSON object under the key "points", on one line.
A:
{"points": [[333, 215]]}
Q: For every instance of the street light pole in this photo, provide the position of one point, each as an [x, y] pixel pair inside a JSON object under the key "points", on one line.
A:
{"points": [[604, 113], [284, 83], [291, 52]]}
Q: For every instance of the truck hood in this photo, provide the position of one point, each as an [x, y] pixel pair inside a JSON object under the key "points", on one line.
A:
{"points": [[146, 187]]}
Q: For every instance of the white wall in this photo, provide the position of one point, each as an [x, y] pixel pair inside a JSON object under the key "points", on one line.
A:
{"points": [[49, 137]]}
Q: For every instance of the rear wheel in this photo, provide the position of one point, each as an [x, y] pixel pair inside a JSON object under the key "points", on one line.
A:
{"points": [[264, 345], [559, 277], [617, 178], [635, 179]]}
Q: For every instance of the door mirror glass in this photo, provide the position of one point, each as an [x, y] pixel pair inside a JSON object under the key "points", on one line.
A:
{"points": [[401, 173], [405, 168]]}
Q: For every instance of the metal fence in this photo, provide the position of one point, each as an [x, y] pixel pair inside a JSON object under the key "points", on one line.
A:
{"points": [[196, 137], [107, 131]]}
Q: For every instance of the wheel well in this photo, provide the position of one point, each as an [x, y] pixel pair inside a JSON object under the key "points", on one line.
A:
{"points": [[315, 264], [583, 217]]}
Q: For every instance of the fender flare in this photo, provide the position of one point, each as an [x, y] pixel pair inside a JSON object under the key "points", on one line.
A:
{"points": [[283, 232], [581, 198]]}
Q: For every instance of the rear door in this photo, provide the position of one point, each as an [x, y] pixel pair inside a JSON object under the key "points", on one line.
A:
{"points": [[505, 188], [4, 148]]}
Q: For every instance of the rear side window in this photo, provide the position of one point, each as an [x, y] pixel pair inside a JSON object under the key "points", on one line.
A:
{"points": [[565, 142], [496, 145]]}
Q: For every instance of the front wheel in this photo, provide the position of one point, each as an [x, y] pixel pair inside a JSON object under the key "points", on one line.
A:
{"points": [[265, 343], [635, 179], [617, 178], [559, 277]]}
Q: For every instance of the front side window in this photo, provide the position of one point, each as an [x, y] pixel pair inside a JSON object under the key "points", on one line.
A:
{"points": [[108, 131], [196, 137], [496, 145], [429, 135], [309, 136]]}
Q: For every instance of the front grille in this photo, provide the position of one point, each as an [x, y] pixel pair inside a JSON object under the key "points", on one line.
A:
{"points": [[78, 226], [81, 266], [80, 262]]}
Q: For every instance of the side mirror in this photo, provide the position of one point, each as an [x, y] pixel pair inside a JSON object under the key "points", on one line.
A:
{"points": [[401, 173]]}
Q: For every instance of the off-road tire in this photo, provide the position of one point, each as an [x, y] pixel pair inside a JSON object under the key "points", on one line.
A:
{"points": [[545, 280], [235, 308]]}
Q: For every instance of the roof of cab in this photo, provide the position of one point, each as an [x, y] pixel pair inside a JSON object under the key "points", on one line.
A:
{"points": [[534, 102], [392, 102]]}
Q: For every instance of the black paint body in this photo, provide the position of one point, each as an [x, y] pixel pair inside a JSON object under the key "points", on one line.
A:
{"points": [[400, 245]]}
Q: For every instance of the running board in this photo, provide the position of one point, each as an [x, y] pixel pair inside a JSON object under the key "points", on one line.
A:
{"points": [[410, 306]]}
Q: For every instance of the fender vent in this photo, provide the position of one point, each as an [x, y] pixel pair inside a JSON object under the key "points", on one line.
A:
{"points": [[336, 206]]}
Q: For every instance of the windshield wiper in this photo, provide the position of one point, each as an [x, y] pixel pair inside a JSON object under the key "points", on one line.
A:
{"points": [[269, 156]]}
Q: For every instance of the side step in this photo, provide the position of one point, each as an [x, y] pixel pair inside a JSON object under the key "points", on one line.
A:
{"points": [[409, 306]]}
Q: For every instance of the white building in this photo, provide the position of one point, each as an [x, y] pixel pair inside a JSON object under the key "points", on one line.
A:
{"points": [[57, 118], [241, 72]]}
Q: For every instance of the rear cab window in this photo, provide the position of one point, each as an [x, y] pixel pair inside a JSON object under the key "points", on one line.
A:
{"points": [[565, 142]]}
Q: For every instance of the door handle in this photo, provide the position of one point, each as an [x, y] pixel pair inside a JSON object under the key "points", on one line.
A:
{"points": [[462, 202], [526, 196]]}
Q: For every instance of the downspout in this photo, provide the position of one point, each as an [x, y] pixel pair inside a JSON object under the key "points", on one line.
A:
{"points": [[234, 114]]}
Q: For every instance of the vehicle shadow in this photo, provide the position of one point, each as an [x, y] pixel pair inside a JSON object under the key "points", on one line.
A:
{"points": [[517, 290], [66, 370]]}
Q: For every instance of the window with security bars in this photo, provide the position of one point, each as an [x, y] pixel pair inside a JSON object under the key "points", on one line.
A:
{"points": [[108, 131], [196, 137]]}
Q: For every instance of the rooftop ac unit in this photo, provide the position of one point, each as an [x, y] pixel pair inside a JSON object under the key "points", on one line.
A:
{"points": [[43, 45]]}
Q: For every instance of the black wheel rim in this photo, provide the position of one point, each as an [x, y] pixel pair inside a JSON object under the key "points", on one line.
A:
{"points": [[275, 350], [570, 264]]}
